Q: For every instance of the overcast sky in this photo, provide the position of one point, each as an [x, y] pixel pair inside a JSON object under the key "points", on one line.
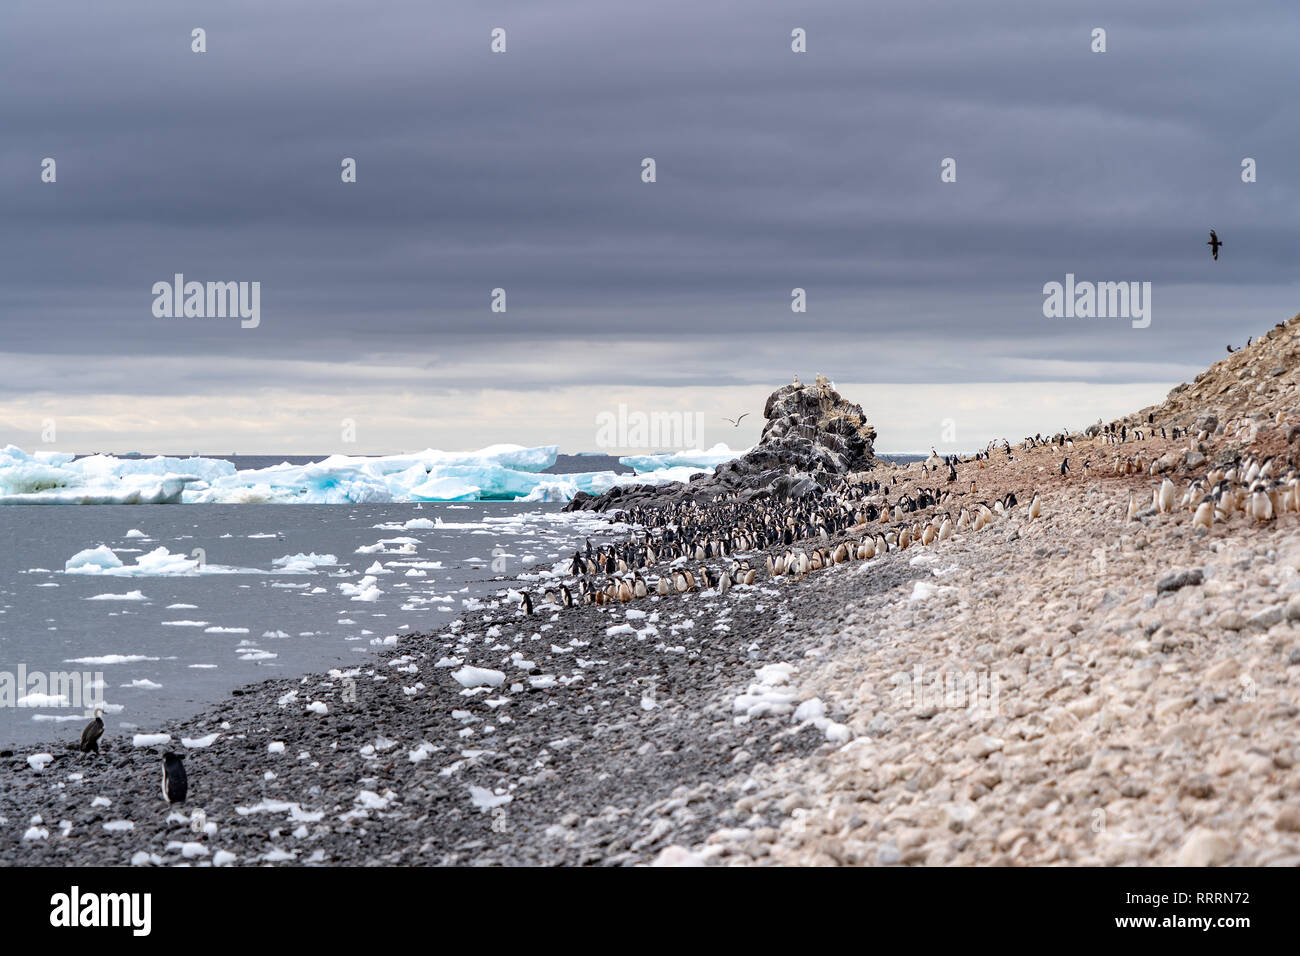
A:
{"points": [[522, 170]]}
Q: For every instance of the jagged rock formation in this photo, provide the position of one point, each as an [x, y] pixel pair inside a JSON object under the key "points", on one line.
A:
{"points": [[812, 435]]}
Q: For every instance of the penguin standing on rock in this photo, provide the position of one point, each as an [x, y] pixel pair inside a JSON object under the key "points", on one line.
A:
{"points": [[175, 785]]}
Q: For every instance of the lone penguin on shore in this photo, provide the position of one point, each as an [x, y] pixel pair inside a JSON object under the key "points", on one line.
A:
{"points": [[1214, 244], [94, 730], [175, 785]]}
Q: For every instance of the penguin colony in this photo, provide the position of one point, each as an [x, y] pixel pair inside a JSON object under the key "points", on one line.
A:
{"points": [[721, 543], [718, 544]]}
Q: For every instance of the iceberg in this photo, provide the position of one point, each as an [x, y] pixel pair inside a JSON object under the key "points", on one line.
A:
{"points": [[495, 473], [695, 460], [53, 478]]}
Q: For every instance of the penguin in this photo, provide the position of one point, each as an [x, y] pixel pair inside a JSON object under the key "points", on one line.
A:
{"points": [[1035, 507], [661, 588], [1261, 505], [94, 730], [175, 785], [1165, 497], [526, 603], [1204, 516], [1065, 467], [566, 596]]}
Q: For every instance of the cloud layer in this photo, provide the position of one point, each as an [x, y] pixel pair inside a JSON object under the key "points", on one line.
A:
{"points": [[522, 171]]}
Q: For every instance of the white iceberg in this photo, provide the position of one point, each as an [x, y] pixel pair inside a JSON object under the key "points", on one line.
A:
{"points": [[498, 472], [695, 460]]}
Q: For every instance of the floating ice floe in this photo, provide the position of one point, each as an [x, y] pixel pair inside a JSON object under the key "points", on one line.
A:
{"points": [[128, 596], [304, 563], [42, 700], [157, 563], [110, 659]]}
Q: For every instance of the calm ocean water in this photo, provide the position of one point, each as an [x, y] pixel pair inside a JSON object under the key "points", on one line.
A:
{"points": [[167, 645]]}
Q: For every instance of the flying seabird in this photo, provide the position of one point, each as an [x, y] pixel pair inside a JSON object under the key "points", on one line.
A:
{"points": [[1214, 244], [735, 421]]}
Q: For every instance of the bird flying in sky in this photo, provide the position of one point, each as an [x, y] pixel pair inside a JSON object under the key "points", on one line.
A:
{"points": [[1214, 244]]}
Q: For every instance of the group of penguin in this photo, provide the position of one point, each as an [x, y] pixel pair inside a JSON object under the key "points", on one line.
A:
{"points": [[175, 784], [729, 529], [1255, 487]]}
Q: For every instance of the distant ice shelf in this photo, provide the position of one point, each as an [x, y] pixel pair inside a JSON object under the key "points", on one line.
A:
{"points": [[495, 473]]}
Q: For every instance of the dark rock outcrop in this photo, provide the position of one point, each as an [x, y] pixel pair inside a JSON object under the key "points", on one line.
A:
{"points": [[812, 435]]}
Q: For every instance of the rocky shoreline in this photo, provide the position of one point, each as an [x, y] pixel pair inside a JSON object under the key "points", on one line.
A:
{"points": [[612, 737]]}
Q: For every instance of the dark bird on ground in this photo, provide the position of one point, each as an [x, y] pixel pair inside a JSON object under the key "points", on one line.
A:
{"points": [[1214, 244], [736, 421], [94, 730], [1231, 350], [175, 785]]}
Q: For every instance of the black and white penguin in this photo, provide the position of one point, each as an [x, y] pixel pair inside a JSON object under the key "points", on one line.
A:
{"points": [[175, 785], [526, 603], [94, 730]]}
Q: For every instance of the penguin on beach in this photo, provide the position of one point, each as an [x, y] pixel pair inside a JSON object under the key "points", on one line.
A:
{"points": [[175, 785]]}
